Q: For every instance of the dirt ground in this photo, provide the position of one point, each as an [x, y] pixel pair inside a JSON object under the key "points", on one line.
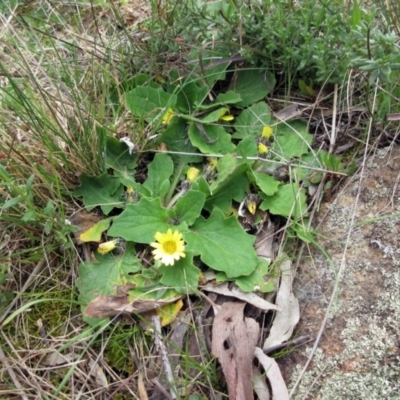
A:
{"points": [[358, 356]]}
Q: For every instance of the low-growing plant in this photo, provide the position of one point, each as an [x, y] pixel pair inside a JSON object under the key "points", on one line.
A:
{"points": [[226, 164]]}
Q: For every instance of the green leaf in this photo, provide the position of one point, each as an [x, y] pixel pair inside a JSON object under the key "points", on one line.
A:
{"points": [[246, 148], [266, 183], [292, 139], [188, 95], [104, 191], [210, 118], [256, 281], [149, 103], [223, 99], [102, 277], [119, 159], [159, 172], [289, 200], [12, 202], [252, 120], [93, 234], [234, 188], [253, 85], [183, 276], [177, 140], [211, 139], [188, 208], [226, 167], [139, 222], [223, 245]]}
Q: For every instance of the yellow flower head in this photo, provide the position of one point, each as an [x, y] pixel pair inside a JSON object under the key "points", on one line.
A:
{"points": [[169, 247], [262, 149], [106, 247], [168, 116], [226, 116], [192, 173], [267, 132]]}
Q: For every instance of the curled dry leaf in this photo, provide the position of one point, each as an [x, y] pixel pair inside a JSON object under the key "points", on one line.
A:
{"points": [[98, 373], [289, 312], [250, 298], [234, 341], [56, 358], [264, 241], [108, 306], [271, 368], [260, 385]]}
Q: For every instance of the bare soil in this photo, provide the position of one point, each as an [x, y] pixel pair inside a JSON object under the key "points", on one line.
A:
{"points": [[358, 356]]}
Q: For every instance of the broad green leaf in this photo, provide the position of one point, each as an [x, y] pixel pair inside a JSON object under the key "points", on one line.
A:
{"points": [[140, 222], [187, 97], [226, 167], [266, 183], [142, 191], [253, 85], [159, 172], [223, 245], [234, 188], [104, 191], [145, 288], [288, 201], [93, 234], [212, 139], [183, 276], [246, 148], [256, 281], [292, 139], [252, 121], [149, 103], [212, 117], [223, 99], [119, 159], [102, 277], [209, 72], [176, 138], [188, 208]]}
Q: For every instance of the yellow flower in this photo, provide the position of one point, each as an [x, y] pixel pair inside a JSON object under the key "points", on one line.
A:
{"points": [[262, 149], [267, 132], [192, 173], [168, 116], [106, 247], [226, 117], [170, 247]]}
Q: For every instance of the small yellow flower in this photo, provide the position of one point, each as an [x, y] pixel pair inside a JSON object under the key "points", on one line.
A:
{"points": [[262, 149], [267, 132], [168, 116], [192, 173], [169, 247], [106, 247], [226, 116]]}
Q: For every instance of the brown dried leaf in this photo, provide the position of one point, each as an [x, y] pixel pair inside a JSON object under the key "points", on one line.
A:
{"points": [[57, 358], [234, 341], [260, 385], [98, 373], [289, 312], [250, 298], [264, 241], [278, 386], [84, 221], [108, 306]]}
